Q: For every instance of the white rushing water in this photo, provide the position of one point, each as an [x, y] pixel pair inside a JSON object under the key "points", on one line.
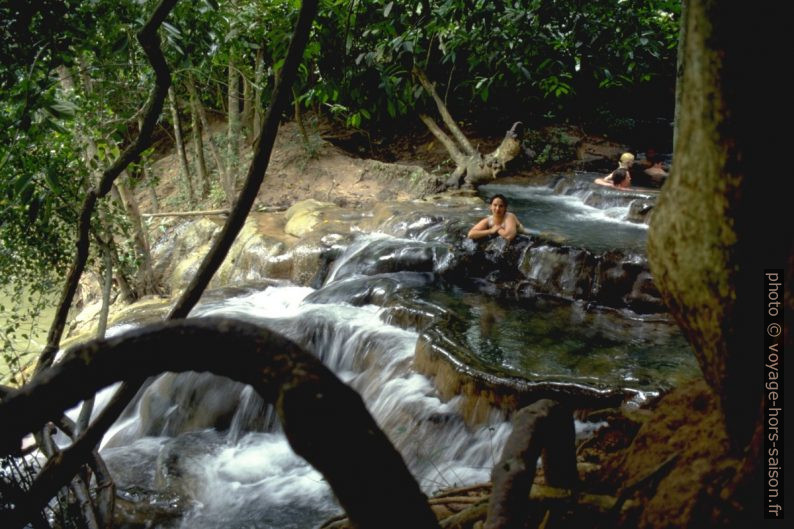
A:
{"points": [[253, 479], [571, 215]]}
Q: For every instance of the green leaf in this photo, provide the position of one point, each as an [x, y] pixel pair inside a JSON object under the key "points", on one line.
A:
{"points": [[62, 109], [172, 30], [387, 9], [52, 181]]}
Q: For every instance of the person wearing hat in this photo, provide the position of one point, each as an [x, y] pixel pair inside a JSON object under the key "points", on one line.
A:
{"points": [[626, 161]]}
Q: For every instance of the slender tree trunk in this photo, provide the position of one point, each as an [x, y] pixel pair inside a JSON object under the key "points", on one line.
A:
{"points": [[259, 79], [127, 292], [148, 180], [299, 118], [184, 168], [146, 283], [107, 284], [247, 117], [679, 71], [233, 138], [47, 482], [222, 172], [198, 143]]}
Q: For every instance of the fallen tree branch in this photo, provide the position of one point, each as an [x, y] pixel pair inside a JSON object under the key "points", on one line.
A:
{"points": [[466, 517], [365, 471], [457, 491], [205, 212], [473, 168], [454, 499], [458, 157]]}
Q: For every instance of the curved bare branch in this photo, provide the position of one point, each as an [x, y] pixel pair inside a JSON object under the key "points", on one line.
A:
{"points": [[325, 421]]}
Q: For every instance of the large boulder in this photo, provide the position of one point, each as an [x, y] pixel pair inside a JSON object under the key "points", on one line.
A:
{"points": [[302, 217]]}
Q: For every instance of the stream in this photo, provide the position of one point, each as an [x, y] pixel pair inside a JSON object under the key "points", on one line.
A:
{"points": [[195, 450]]}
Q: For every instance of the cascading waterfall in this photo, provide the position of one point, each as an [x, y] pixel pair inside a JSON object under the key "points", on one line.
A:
{"points": [[204, 451], [254, 479], [586, 215]]}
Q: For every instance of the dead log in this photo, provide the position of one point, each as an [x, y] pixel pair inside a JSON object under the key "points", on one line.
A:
{"points": [[473, 168], [543, 428], [201, 213]]}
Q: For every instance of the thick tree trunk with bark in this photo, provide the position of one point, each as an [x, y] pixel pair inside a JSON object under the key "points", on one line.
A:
{"points": [[473, 168], [719, 225], [706, 249]]}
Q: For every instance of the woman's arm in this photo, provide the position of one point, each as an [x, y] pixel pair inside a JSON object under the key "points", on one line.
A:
{"points": [[481, 230], [510, 229], [603, 182]]}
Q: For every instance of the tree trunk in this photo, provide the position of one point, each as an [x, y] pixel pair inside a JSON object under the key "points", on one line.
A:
{"points": [[146, 283], [222, 172], [233, 138], [148, 180], [679, 72], [299, 118], [706, 248], [259, 79], [247, 117], [127, 292], [107, 285], [184, 168], [197, 133]]}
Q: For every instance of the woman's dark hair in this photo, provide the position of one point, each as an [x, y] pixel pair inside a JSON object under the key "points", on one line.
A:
{"points": [[618, 175], [498, 196]]}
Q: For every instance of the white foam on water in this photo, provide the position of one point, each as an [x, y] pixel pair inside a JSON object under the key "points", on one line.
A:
{"points": [[260, 468]]}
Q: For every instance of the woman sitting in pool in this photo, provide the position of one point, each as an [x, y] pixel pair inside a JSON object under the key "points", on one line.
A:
{"points": [[500, 222]]}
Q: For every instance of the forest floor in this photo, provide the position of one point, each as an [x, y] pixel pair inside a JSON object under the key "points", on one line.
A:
{"points": [[334, 165], [665, 465]]}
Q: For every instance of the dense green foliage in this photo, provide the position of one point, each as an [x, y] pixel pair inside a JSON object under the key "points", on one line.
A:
{"points": [[544, 56]]}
